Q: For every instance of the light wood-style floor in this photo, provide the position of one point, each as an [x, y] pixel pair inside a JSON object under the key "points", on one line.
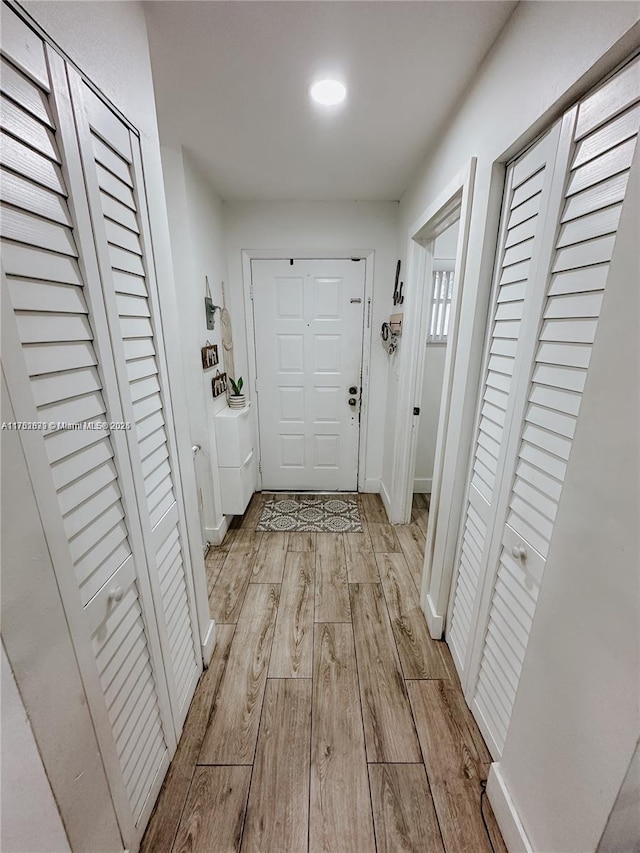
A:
{"points": [[328, 721]]}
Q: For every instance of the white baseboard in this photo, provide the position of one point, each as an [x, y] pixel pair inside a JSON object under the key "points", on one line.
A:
{"points": [[215, 535], [422, 486], [504, 809], [371, 485], [208, 643], [435, 621], [386, 500]]}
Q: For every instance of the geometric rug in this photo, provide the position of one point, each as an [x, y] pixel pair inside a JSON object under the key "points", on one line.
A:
{"points": [[311, 515]]}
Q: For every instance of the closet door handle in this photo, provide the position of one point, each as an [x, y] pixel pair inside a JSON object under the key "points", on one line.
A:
{"points": [[519, 552], [116, 594]]}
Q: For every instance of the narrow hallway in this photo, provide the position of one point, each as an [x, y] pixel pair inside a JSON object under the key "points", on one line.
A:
{"points": [[328, 719]]}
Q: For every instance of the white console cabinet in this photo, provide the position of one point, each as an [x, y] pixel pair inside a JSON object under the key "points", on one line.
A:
{"points": [[237, 464]]}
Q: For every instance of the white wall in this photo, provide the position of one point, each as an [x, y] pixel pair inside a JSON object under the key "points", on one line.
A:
{"points": [[108, 42], [304, 226], [198, 249], [25, 829], [429, 413], [444, 248], [547, 54], [572, 730]]}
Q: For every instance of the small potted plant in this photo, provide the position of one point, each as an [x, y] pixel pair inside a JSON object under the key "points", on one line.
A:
{"points": [[236, 398]]}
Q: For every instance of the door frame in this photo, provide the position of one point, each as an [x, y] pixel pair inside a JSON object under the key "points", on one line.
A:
{"points": [[451, 205], [364, 255]]}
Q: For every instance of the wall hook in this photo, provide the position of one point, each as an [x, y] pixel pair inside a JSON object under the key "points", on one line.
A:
{"points": [[209, 308]]}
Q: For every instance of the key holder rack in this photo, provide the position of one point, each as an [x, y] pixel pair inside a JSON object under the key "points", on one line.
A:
{"points": [[389, 338]]}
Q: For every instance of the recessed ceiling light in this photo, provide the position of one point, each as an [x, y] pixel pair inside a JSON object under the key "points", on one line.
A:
{"points": [[328, 92]]}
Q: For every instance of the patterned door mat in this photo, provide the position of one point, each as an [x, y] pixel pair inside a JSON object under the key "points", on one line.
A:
{"points": [[312, 515]]}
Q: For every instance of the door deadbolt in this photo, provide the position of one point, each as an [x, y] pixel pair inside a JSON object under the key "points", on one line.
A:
{"points": [[353, 389], [353, 401]]}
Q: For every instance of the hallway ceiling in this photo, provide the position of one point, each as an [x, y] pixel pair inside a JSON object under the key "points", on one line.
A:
{"points": [[232, 81]]}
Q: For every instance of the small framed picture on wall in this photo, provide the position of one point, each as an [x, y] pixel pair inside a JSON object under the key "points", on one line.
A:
{"points": [[219, 384], [209, 354]]}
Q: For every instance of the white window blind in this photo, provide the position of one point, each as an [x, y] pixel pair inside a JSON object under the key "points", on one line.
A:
{"points": [[441, 295]]}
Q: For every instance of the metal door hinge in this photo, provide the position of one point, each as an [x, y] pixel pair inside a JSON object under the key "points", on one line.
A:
{"points": [[251, 291], [260, 466]]}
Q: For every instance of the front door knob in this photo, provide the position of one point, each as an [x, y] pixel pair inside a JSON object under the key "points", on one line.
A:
{"points": [[353, 401], [353, 389]]}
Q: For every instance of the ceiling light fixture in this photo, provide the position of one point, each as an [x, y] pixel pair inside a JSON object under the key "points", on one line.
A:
{"points": [[328, 92]]}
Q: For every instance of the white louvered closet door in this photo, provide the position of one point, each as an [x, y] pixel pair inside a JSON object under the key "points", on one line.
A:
{"points": [[603, 135], [56, 359], [527, 191], [117, 202]]}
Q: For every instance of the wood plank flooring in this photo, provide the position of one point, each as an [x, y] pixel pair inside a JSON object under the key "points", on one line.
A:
{"points": [[328, 721]]}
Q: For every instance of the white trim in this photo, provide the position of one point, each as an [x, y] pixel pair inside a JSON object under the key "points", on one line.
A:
{"points": [[435, 622], [487, 729], [513, 832], [215, 535], [208, 643], [452, 204], [454, 431], [386, 500], [371, 484], [503, 183], [366, 255], [422, 485]]}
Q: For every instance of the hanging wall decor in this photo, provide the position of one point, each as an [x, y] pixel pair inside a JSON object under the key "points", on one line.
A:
{"points": [[219, 384], [209, 308], [398, 297], [227, 337], [209, 354]]}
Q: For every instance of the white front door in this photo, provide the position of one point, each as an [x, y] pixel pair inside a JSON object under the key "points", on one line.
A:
{"points": [[308, 319]]}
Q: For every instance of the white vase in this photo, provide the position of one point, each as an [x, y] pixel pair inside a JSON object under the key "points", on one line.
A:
{"points": [[237, 401]]}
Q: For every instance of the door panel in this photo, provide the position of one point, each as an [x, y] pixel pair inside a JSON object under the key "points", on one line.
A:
{"points": [[526, 197], [308, 319], [537, 358], [59, 373], [113, 174], [553, 397]]}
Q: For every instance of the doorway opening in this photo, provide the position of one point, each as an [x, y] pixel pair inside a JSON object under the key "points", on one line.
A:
{"points": [[440, 288], [450, 210]]}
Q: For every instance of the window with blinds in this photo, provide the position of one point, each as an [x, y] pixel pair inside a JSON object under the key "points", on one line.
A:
{"points": [[440, 310]]}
